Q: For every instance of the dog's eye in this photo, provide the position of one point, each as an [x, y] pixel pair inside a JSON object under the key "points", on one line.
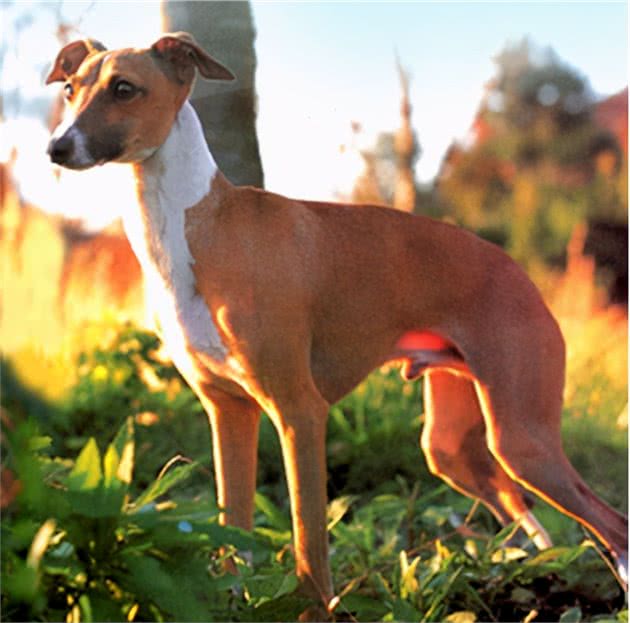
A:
{"points": [[124, 90], [68, 90]]}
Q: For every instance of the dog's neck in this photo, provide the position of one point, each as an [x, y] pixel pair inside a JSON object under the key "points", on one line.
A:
{"points": [[177, 176]]}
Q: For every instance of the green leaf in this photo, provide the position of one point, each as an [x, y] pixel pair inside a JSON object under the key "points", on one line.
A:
{"points": [[439, 594], [102, 606], [271, 586], [223, 535], [437, 515], [98, 503], [86, 609], [21, 584], [40, 543], [150, 580], [404, 611], [278, 538], [170, 529], [502, 536], [275, 516], [549, 555], [91, 493], [118, 460], [163, 485], [288, 586], [86, 473], [408, 582], [508, 554], [110, 466], [362, 607], [35, 444], [123, 444], [572, 615], [338, 508], [382, 585], [285, 608], [265, 587]]}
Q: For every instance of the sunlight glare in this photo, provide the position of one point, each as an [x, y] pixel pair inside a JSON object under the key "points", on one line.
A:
{"points": [[95, 197]]}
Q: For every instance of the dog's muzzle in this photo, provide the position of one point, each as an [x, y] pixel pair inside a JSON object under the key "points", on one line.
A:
{"points": [[61, 149], [70, 149]]}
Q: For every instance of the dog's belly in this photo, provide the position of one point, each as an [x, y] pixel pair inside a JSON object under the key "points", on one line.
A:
{"points": [[421, 350], [338, 371]]}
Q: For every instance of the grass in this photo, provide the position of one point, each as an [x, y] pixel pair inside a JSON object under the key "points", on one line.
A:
{"points": [[403, 545], [83, 540]]}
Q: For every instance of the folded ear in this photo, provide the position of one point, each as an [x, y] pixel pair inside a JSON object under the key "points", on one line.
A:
{"points": [[182, 51], [71, 57]]}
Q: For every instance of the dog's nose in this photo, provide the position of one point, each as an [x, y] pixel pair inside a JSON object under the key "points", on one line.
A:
{"points": [[60, 149]]}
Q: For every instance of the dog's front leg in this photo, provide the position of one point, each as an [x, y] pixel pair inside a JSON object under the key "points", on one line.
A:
{"points": [[234, 422], [301, 426]]}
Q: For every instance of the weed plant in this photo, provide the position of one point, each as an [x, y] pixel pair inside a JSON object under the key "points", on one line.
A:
{"points": [[125, 527]]}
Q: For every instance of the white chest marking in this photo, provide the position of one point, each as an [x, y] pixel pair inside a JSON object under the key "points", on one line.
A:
{"points": [[174, 179]]}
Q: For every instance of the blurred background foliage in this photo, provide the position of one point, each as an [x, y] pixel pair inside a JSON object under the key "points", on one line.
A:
{"points": [[543, 157]]}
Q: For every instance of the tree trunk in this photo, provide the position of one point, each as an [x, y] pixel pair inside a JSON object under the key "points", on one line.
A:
{"points": [[227, 110]]}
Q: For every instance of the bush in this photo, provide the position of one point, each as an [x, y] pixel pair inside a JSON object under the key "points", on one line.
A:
{"points": [[125, 376], [95, 529], [78, 547]]}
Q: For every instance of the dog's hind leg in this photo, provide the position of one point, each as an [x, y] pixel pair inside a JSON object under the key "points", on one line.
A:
{"points": [[520, 392], [454, 443]]}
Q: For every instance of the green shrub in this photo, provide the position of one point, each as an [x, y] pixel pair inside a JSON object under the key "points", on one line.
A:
{"points": [[78, 547], [123, 377], [117, 535]]}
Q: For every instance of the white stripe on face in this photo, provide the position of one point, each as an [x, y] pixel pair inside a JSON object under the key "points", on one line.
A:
{"points": [[81, 156]]}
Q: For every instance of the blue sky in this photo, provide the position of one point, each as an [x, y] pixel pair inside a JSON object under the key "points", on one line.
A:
{"points": [[323, 65]]}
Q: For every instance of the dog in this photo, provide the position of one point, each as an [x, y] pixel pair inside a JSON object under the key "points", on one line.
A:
{"points": [[269, 303]]}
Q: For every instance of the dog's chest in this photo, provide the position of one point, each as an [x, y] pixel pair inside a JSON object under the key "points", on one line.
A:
{"points": [[177, 177], [157, 235], [184, 320]]}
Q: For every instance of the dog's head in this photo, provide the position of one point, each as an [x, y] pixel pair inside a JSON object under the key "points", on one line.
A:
{"points": [[120, 105]]}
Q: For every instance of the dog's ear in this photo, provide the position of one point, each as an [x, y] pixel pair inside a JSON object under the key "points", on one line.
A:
{"points": [[182, 51], [71, 57]]}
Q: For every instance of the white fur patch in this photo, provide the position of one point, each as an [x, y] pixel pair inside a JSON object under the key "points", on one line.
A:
{"points": [[81, 157], [66, 123], [174, 179]]}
